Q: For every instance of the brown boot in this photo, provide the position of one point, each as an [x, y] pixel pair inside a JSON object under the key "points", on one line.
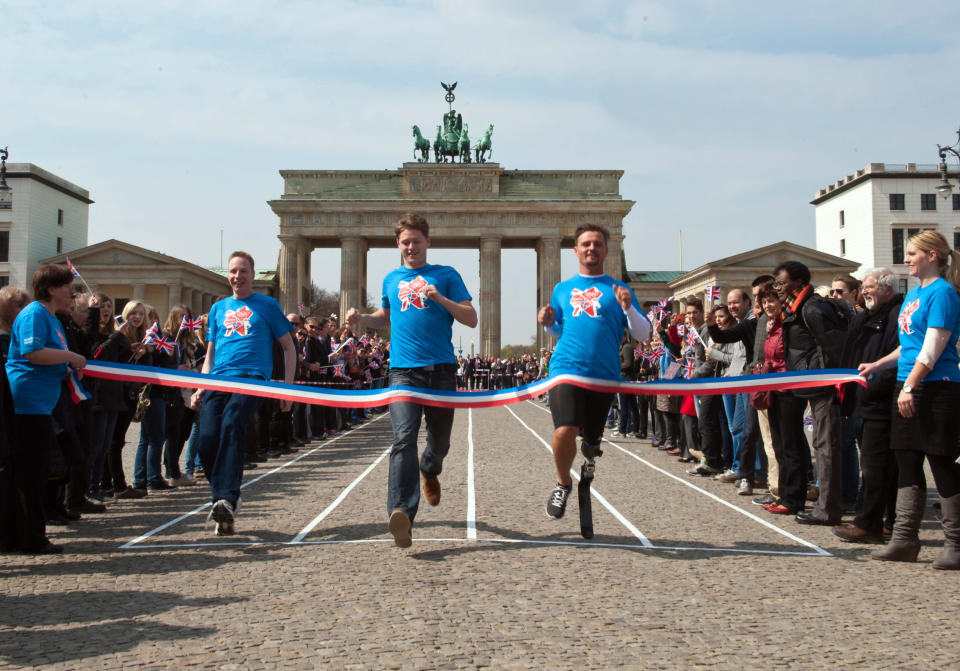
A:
{"points": [[949, 558], [904, 545], [431, 488]]}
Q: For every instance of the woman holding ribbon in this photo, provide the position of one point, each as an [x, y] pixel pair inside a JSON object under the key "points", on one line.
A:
{"points": [[37, 362], [925, 423]]}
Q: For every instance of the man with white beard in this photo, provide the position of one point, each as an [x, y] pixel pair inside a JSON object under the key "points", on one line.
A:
{"points": [[873, 334]]}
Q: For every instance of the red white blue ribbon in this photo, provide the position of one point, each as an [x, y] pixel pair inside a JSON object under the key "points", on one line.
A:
{"points": [[366, 398]]}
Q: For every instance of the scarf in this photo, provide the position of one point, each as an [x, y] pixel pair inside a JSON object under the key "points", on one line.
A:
{"points": [[795, 298]]}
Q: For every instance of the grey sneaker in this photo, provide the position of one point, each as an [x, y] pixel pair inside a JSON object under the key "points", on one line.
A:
{"points": [[764, 500], [222, 514], [703, 470], [557, 505], [745, 488], [727, 476]]}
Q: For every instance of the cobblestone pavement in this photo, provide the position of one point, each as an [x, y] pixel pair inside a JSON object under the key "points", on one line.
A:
{"points": [[682, 574]]}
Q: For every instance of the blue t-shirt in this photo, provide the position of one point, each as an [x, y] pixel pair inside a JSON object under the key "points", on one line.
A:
{"points": [[936, 305], [421, 330], [35, 389], [591, 324], [242, 332]]}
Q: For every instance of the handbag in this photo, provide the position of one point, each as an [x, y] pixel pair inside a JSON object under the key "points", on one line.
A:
{"points": [[761, 400], [143, 402]]}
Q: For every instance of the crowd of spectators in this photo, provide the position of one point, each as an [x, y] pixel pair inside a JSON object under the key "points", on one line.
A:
{"points": [[61, 456]]}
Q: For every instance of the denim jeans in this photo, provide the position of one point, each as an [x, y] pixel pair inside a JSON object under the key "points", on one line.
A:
{"points": [[101, 436], [734, 414], [192, 458], [146, 464], [629, 417], [222, 441], [403, 488]]}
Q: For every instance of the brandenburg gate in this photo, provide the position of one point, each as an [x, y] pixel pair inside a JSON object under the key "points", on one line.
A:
{"points": [[470, 204]]}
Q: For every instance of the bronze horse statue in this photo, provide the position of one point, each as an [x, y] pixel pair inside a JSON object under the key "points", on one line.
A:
{"points": [[420, 144], [484, 145]]}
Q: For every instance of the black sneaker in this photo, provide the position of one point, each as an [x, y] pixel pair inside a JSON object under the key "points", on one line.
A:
{"points": [[557, 505], [222, 513]]}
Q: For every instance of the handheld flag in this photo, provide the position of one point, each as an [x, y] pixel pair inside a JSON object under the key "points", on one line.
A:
{"points": [[713, 293], [688, 368], [164, 344], [76, 273]]}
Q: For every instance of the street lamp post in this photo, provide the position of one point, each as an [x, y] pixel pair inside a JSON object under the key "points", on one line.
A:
{"points": [[3, 169], [945, 188]]}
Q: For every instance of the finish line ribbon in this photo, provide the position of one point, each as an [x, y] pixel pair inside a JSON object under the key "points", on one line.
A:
{"points": [[368, 398]]}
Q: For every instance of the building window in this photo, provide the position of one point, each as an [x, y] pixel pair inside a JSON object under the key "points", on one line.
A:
{"points": [[928, 201], [4, 246], [4, 280], [899, 242], [59, 217], [903, 286], [897, 201], [841, 219], [956, 240], [59, 245], [843, 247], [956, 201], [118, 304]]}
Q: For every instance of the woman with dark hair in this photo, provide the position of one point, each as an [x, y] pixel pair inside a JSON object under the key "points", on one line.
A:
{"points": [[925, 424], [180, 416], [37, 362], [12, 301]]}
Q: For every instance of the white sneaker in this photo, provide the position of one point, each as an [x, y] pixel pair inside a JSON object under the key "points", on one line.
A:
{"points": [[745, 488], [222, 513], [728, 475]]}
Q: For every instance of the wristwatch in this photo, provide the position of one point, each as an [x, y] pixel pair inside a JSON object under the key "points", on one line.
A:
{"points": [[907, 388]]}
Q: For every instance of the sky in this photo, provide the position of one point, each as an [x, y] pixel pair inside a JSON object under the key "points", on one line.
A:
{"points": [[725, 117]]}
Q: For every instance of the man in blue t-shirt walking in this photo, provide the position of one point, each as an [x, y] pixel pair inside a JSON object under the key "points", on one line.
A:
{"points": [[241, 330], [420, 302], [589, 313]]}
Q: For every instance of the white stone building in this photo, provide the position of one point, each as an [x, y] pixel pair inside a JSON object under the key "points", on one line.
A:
{"points": [[42, 215], [867, 216]]}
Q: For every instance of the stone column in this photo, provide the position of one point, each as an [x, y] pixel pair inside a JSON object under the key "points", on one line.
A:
{"points": [[489, 297], [174, 294], [548, 276], [613, 265], [303, 274], [288, 273], [352, 260], [139, 291]]}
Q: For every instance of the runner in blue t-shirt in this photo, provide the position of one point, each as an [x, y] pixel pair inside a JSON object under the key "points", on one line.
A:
{"points": [[589, 312], [241, 330], [925, 424], [420, 302]]}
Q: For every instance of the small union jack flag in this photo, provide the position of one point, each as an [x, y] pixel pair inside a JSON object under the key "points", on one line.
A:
{"points": [[680, 329], [73, 269], [367, 375], [164, 344], [660, 351], [152, 333], [300, 308], [364, 340], [689, 367], [374, 365], [191, 324], [713, 293]]}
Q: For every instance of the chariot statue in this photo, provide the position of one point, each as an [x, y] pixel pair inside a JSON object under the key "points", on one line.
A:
{"points": [[453, 139]]}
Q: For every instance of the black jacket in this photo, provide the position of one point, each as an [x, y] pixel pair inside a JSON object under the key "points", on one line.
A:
{"points": [[874, 334], [811, 341]]}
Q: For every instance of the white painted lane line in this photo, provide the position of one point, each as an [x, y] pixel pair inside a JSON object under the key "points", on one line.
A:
{"points": [[166, 525], [623, 520], [716, 498], [512, 541], [471, 493], [337, 501]]}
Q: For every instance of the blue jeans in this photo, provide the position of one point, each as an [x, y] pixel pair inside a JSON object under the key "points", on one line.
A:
{"points": [[629, 417], [103, 424], [733, 409], [192, 460], [850, 460], [222, 441], [403, 488], [146, 464]]}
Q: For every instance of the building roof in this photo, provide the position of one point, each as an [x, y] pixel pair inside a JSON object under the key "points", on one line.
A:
{"points": [[31, 171], [653, 275], [879, 171]]}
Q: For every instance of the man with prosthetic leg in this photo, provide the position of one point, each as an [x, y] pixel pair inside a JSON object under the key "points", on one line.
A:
{"points": [[589, 313]]}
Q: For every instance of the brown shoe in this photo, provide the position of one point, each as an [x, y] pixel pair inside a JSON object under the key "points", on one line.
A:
{"points": [[813, 493], [431, 488], [851, 533], [674, 452], [401, 528]]}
